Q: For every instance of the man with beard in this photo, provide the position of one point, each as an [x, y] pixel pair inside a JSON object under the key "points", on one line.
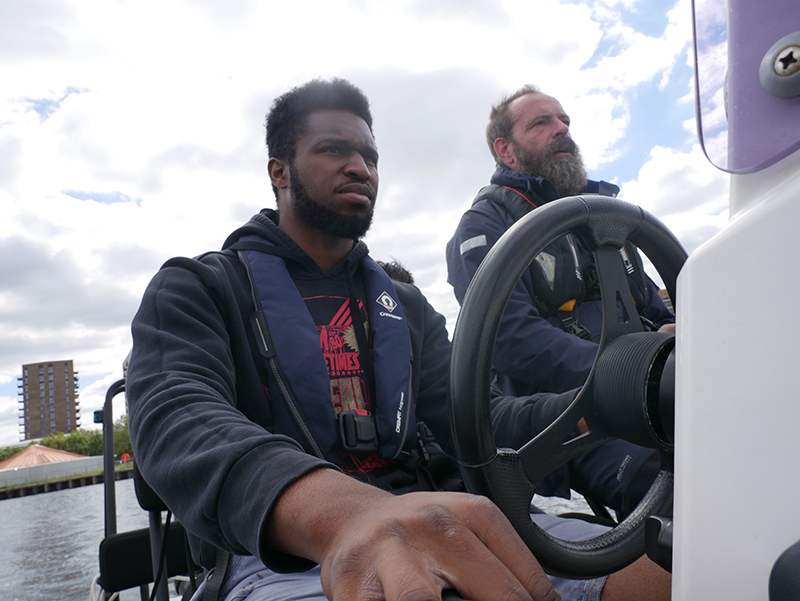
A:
{"points": [[547, 340], [301, 467]]}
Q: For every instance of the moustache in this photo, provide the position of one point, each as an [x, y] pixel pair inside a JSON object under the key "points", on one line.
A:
{"points": [[562, 145]]}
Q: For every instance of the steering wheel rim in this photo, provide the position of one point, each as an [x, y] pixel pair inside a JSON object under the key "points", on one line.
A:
{"points": [[504, 475]]}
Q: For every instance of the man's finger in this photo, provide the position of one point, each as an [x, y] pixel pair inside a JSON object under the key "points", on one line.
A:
{"points": [[504, 544]]}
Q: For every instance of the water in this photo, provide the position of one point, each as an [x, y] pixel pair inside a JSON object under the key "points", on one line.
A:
{"points": [[49, 542]]}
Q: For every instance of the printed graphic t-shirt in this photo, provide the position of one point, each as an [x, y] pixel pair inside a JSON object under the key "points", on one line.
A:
{"points": [[352, 386]]}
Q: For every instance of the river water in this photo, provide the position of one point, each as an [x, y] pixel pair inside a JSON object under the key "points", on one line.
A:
{"points": [[49, 542]]}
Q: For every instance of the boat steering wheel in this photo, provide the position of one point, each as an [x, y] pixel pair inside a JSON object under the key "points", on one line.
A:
{"points": [[629, 393]]}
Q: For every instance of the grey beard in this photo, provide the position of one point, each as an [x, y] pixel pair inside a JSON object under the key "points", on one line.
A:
{"points": [[568, 175]]}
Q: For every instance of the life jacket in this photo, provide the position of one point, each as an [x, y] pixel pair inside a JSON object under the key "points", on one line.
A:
{"points": [[286, 329], [564, 273], [289, 337]]}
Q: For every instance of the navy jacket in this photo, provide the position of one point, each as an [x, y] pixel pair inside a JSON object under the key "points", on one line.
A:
{"points": [[533, 352], [200, 418]]}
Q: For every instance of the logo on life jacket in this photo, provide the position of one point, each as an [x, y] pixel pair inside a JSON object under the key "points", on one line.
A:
{"points": [[386, 301]]}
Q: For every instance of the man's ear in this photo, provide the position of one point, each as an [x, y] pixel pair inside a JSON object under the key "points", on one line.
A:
{"points": [[505, 152], [278, 171]]}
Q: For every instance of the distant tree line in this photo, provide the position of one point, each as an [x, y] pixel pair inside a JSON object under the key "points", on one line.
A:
{"points": [[8, 452], [84, 442]]}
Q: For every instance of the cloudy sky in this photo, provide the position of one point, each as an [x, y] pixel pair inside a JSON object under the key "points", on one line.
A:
{"points": [[132, 131]]}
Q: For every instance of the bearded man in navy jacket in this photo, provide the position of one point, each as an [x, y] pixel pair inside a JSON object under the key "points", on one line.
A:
{"points": [[547, 340]]}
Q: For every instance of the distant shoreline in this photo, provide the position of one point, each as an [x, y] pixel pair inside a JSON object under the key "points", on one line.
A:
{"points": [[14, 492]]}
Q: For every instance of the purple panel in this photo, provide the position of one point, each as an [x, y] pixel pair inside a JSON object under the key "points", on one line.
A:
{"points": [[761, 128]]}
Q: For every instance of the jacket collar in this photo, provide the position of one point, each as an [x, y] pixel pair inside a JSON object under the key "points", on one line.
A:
{"points": [[265, 225], [542, 188]]}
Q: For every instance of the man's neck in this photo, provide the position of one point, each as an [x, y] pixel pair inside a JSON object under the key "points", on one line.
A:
{"points": [[542, 188], [327, 251]]}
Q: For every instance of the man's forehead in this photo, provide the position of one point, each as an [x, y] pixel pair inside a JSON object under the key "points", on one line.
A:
{"points": [[338, 124], [535, 104]]}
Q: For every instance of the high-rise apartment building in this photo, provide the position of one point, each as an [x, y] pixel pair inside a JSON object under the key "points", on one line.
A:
{"points": [[48, 399]]}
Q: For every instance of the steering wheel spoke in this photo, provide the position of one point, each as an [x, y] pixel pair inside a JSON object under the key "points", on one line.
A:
{"points": [[562, 440], [619, 311]]}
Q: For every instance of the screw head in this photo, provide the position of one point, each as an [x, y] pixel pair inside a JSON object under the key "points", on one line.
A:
{"points": [[779, 71], [787, 61]]}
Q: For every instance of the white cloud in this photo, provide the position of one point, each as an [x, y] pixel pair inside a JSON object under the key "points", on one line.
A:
{"points": [[600, 123], [684, 191], [148, 140], [639, 57]]}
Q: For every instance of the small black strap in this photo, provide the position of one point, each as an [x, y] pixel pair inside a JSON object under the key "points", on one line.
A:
{"points": [[190, 590], [420, 456], [188, 593], [162, 556], [214, 584]]}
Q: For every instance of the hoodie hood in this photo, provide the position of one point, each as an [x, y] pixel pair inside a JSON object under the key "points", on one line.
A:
{"points": [[265, 225]]}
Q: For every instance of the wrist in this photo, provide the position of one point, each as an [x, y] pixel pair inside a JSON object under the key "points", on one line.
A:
{"points": [[309, 516]]}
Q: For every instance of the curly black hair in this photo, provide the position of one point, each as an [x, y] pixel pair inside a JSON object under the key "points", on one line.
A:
{"points": [[286, 119], [396, 271]]}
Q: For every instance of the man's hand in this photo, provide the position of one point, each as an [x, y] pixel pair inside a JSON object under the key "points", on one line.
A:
{"points": [[372, 545]]}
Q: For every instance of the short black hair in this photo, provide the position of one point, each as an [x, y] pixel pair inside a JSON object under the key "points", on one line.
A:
{"points": [[286, 119]]}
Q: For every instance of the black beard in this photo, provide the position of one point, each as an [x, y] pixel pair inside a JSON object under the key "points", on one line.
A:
{"points": [[323, 218], [567, 174]]}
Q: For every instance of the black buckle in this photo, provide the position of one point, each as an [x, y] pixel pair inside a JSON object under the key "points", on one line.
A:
{"points": [[419, 456], [357, 431], [573, 326]]}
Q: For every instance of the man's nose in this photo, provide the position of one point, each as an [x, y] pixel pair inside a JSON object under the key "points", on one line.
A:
{"points": [[561, 129], [357, 167]]}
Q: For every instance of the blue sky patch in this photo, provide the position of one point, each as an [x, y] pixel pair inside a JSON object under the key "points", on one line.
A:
{"points": [[648, 17], [645, 16], [106, 198], [46, 107], [656, 118], [608, 46]]}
